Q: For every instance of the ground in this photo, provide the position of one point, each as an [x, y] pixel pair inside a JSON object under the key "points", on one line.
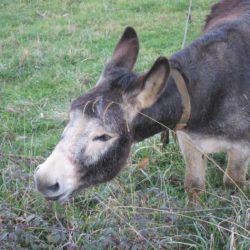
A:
{"points": [[50, 53]]}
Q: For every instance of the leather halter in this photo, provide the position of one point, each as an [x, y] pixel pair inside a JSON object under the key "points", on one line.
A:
{"points": [[185, 98]]}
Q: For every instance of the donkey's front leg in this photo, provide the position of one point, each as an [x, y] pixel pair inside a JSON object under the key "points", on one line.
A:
{"points": [[238, 161], [195, 168]]}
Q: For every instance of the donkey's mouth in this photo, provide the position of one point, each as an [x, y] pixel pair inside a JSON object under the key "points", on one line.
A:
{"points": [[61, 198]]}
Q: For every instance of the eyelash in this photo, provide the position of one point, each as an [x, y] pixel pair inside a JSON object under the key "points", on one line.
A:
{"points": [[103, 138]]}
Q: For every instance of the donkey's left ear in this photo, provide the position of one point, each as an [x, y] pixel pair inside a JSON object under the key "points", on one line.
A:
{"points": [[150, 85], [126, 50]]}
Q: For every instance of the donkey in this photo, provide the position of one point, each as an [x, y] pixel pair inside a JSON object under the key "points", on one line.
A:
{"points": [[205, 87]]}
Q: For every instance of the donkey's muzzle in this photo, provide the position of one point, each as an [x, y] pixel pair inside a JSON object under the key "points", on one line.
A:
{"points": [[49, 187], [57, 177], [52, 186]]}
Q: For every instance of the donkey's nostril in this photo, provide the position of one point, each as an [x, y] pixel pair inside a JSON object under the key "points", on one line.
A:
{"points": [[54, 188]]}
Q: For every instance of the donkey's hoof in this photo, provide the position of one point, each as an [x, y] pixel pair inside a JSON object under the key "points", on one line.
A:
{"points": [[194, 201], [232, 183]]}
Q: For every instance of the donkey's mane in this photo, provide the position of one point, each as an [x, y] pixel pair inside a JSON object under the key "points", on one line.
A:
{"points": [[121, 78], [229, 9]]}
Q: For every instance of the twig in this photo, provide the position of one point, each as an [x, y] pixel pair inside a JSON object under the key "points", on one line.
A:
{"points": [[187, 22]]}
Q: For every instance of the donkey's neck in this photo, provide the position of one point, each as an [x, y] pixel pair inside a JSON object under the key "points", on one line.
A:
{"points": [[201, 63], [165, 113]]}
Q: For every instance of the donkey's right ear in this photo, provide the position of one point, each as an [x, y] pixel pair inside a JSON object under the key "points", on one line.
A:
{"points": [[149, 86], [126, 50]]}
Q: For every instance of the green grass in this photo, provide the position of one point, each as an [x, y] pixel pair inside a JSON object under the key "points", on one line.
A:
{"points": [[50, 53]]}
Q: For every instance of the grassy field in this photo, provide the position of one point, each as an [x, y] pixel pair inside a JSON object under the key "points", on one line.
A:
{"points": [[50, 53]]}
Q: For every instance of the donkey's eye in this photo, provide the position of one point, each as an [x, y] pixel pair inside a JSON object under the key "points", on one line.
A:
{"points": [[103, 137]]}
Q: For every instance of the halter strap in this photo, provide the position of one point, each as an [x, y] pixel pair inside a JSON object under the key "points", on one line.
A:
{"points": [[185, 98]]}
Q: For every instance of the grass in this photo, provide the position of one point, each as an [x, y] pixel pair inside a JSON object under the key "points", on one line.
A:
{"points": [[50, 53]]}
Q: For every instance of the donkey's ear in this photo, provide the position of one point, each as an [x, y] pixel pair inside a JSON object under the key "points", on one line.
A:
{"points": [[150, 85], [126, 51]]}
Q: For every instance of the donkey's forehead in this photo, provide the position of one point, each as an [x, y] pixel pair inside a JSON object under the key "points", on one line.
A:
{"points": [[90, 97], [81, 123], [108, 114], [94, 107]]}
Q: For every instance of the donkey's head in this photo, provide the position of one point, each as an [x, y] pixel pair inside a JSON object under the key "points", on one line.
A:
{"points": [[96, 142]]}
